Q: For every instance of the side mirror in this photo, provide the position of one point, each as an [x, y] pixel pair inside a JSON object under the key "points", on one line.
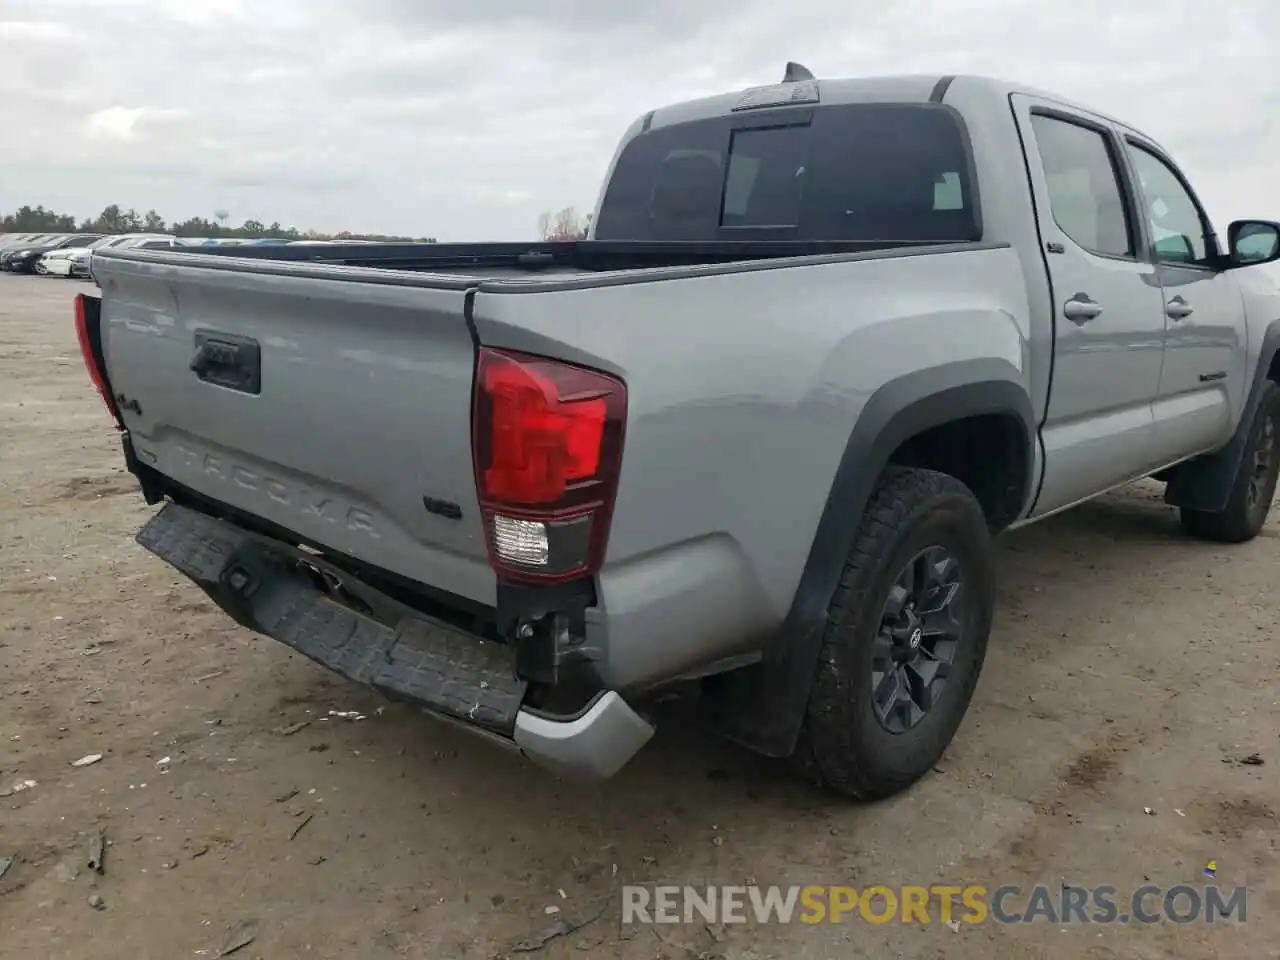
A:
{"points": [[1252, 242]]}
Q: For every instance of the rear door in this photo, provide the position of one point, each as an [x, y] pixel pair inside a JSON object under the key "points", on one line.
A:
{"points": [[1108, 311], [1203, 382], [337, 409]]}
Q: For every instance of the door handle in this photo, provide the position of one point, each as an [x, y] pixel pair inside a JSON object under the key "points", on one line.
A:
{"points": [[1177, 309], [1081, 308]]}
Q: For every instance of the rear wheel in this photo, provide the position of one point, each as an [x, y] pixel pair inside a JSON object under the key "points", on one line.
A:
{"points": [[905, 638], [1255, 484]]}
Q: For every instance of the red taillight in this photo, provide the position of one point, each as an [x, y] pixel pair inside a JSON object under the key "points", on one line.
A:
{"points": [[86, 337], [547, 447]]}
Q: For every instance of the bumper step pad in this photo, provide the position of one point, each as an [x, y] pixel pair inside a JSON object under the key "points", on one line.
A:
{"points": [[264, 589]]}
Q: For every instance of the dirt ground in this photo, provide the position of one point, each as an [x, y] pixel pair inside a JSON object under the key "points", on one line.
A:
{"points": [[1129, 668]]}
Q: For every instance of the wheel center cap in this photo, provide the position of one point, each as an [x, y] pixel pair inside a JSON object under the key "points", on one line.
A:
{"points": [[916, 636]]}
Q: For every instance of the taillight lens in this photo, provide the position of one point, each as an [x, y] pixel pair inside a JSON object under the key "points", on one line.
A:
{"points": [[547, 448], [86, 332]]}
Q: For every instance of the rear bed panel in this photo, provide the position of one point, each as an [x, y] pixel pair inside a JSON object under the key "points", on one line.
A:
{"points": [[364, 409], [743, 386]]}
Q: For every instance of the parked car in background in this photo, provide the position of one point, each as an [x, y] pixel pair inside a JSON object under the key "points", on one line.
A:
{"points": [[74, 261], [231, 241], [81, 264], [14, 240], [23, 259], [210, 241], [57, 262]]}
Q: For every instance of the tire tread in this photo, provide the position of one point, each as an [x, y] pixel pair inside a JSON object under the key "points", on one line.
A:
{"points": [[1233, 523], [827, 749]]}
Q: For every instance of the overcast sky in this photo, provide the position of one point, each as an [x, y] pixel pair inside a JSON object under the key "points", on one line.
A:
{"points": [[464, 120]]}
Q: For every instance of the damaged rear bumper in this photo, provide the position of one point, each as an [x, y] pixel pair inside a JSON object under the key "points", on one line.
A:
{"points": [[458, 676]]}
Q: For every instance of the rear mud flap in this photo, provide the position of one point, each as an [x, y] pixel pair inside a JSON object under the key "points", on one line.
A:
{"points": [[425, 662]]}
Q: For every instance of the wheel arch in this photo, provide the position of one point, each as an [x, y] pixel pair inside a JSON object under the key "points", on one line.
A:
{"points": [[763, 706], [1204, 483]]}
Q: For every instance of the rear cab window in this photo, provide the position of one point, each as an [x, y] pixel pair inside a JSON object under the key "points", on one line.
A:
{"points": [[874, 173], [1085, 196]]}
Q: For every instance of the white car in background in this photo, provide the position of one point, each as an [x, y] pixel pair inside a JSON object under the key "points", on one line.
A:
{"points": [[74, 261], [57, 263]]}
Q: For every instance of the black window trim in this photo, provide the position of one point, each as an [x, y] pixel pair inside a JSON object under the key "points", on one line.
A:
{"points": [[1213, 250], [782, 117], [1136, 224]]}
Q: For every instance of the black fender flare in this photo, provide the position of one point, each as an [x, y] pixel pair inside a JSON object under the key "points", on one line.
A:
{"points": [[1205, 482], [765, 708]]}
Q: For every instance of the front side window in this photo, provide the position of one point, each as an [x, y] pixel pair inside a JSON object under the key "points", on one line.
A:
{"points": [[1084, 186], [1179, 232]]}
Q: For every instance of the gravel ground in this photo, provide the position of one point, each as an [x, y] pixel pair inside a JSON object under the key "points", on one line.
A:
{"points": [[1130, 668]]}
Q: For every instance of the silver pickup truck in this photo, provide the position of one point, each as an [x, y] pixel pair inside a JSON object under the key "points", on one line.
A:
{"points": [[753, 436]]}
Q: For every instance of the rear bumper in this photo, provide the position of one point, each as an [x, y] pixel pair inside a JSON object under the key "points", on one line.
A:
{"points": [[266, 587]]}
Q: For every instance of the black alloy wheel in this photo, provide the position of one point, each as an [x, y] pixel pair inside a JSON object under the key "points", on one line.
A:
{"points": [[921, 629]]}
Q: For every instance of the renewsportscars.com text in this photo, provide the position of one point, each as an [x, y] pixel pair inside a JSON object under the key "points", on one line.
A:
{"points": [[971, 904]]}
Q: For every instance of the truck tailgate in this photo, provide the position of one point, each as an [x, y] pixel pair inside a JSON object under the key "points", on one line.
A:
{"points": [[338, 409]]}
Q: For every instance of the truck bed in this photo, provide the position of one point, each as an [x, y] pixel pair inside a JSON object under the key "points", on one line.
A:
{"points": [[353, 436], [505, 261]]}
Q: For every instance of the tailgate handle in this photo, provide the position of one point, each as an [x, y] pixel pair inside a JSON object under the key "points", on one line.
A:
{"points": [[228, 360]]}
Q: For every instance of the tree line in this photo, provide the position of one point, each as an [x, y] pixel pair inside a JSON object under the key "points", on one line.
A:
{"points": [[563, 225], [112, 220]]}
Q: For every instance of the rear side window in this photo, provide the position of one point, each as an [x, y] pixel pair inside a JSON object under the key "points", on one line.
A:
{"points": [[856, 173], [1084, 187]]}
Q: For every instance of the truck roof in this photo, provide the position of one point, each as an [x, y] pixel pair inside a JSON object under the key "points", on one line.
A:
{"points": [[901, 88]]}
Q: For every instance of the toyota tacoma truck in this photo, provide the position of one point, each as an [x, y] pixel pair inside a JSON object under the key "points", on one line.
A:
{"points": [[754, 435]]}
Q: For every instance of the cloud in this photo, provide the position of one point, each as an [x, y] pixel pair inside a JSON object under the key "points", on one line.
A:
{"points": [[465, 121], [127, 123], [34, 30]]}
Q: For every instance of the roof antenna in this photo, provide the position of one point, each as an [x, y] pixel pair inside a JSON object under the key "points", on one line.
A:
{"points": [[796, 72]]}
